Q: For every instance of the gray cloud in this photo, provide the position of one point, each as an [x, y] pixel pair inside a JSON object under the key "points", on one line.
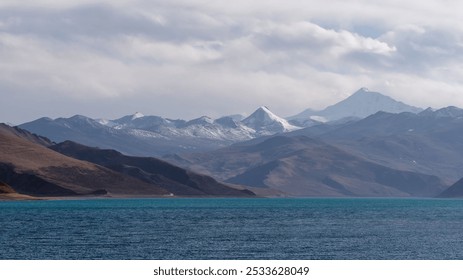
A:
{"points": [[422, 48], [189, 58]]}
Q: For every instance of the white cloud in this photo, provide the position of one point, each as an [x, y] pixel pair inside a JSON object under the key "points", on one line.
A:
{"points": [[312, 37], [144, 49], [188, 58]]}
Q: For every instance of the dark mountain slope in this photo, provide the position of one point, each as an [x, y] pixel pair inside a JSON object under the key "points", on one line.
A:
{"points": [[455, 190], [307, 167], [151, 170], [430, 142]]}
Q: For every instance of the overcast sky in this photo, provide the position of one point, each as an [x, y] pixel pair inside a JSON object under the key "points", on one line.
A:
{"points": [[185, 59]]}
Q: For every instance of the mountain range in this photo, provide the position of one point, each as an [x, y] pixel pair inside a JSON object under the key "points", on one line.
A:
{"points": [[152, 135], [156, 136], [429, 142], [365, 145]]}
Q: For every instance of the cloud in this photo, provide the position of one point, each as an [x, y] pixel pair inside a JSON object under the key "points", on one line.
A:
{"points": [[424, 48], [309, 36], [183, 58]]}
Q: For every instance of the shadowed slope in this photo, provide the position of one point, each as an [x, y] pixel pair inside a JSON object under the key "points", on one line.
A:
{"points": [[303, 166], [151, 170], [455, 190], [31, 168]]}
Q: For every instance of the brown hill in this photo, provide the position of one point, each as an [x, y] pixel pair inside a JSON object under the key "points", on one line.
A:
{"points": [[31, 168], [4, 188]]}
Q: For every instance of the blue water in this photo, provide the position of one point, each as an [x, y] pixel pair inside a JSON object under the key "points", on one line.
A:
{"points": [[232, 229]]}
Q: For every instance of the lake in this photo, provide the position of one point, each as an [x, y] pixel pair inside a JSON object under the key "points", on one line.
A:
{"points": [[222, 228]]}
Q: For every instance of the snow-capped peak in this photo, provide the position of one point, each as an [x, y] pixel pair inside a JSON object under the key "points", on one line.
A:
{"points": [[262, 116], [204, 120], [265, 120]]}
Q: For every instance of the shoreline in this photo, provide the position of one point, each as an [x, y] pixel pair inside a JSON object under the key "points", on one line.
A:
{"points": [[21, 197], [17, 197]]}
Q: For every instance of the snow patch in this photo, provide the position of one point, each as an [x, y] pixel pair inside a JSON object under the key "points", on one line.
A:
{"points": [[319, 119], [106, 122], [137, 115]]}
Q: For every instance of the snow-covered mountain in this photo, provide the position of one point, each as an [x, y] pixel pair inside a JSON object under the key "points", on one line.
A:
{"points": [[153, 135], [264, 122], [361, 104], [142, 135]]}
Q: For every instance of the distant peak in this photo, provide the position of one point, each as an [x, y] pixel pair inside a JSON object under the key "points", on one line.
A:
{"points": [[79, 117], [205, 118], [366, 93], [263, 118], [263, 111], [450, 111], [137, 115], [263, 108], [200, 121], [364, 89]]}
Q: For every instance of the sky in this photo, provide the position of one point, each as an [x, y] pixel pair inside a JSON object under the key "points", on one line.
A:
{"points": [[184, 59]]}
